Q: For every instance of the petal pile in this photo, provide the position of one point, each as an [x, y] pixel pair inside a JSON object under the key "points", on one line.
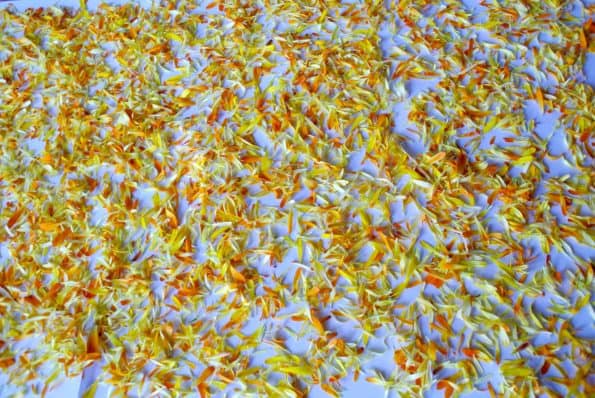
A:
{"points": [[290, 197]]}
